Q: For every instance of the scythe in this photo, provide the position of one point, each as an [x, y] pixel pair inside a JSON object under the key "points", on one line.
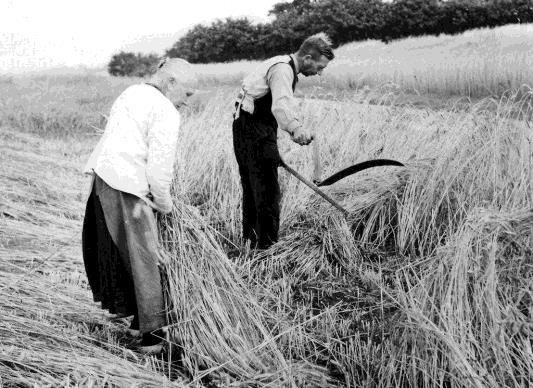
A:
{"points": [[338, 176]]}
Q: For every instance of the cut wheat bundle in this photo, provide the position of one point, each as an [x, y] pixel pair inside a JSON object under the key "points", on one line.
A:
{"points": [[471, 306], [52, 335], [214, 316]]}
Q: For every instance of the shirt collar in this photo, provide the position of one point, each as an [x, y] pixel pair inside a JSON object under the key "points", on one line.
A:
{"points": [[155, 86], [296, 66]]}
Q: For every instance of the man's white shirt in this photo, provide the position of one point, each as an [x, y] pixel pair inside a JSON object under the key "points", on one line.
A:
{"points": [[137, 151], [275, 76]]}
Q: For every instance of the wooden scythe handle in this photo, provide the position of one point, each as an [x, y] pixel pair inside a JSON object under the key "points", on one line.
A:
{"points": [[314, 188]]}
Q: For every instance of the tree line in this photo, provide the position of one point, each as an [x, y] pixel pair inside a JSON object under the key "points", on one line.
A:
{"points": [[344, 21]]}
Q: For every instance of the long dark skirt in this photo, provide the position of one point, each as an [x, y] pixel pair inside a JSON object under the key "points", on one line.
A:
{"points": [[121, 254]]}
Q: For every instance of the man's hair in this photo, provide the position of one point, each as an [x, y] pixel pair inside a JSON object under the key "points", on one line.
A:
{"points": [[317, 45]]}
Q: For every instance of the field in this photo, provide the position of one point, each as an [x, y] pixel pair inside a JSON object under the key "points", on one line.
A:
{"points": [[427, 282], [477, 63]]}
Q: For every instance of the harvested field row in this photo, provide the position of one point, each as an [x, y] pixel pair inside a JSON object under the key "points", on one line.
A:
{"points": [[426, 283]]}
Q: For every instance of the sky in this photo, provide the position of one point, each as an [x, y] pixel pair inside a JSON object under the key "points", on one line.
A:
{"points": [[37, 34]]}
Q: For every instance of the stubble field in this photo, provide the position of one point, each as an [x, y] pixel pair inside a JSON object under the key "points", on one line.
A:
{"points": [[427, 282]]}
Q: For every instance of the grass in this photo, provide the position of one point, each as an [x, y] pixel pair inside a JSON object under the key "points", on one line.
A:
{"points": [[426, 283], [52, 333], [476, 64], [438, 72], [58, 106], [409, 289]]}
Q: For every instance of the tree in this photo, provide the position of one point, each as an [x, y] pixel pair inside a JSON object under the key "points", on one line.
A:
{"points": [[127, 64], [349, 20], [223, 40], [410, 18]]}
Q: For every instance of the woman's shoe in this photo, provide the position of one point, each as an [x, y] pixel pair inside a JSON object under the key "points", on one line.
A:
{"points": [[152, 343], [133, 329]]}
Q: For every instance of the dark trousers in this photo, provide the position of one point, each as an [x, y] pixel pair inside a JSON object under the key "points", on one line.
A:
{"points": [[256, 150]]}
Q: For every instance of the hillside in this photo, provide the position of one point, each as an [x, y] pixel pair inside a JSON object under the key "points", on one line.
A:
{"points": [[477, 63]]}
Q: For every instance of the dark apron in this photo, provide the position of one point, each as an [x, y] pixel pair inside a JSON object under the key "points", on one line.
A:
{"points": [[256, 150], [121, 255]]}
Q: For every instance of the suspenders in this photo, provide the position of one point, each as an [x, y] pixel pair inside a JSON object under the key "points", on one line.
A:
{"points": [[242, 93]]}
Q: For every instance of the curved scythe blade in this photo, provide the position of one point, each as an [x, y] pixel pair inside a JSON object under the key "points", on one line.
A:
{"points": [[357, 168]]}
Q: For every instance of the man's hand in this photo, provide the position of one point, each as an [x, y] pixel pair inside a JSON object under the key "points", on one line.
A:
{"points": [[301, 136]]}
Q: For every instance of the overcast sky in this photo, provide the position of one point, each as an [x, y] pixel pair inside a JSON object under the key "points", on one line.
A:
{"points": [[37, 34]]}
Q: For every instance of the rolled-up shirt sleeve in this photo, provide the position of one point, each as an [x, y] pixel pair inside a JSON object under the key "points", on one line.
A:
{"points": [[162, 147], [284, 105]]}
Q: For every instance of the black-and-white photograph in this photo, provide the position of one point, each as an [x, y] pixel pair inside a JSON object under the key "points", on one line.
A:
{"points": [[266, 193]]}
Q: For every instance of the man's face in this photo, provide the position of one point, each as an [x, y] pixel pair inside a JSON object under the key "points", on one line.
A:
{"points": [[311, 66]]}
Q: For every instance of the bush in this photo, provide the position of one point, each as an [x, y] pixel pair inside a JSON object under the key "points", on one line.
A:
{"points": [[228, 40], [126, 64]]}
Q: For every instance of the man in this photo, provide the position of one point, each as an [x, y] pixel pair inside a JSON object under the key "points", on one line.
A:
{"points": [[265, 102], [132, 167]]}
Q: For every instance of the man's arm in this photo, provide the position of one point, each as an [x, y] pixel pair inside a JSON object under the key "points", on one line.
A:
{"points": [[284, 105], [162, 146]]}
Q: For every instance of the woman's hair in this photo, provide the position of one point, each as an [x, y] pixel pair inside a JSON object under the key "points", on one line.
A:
{"points": [[174, 68]]}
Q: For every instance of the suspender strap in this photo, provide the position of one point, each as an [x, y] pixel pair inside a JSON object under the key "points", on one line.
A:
{"points": [[263, 104], [295, 80]]}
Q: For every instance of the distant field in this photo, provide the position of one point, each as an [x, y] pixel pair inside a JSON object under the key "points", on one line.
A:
{"points": [[477, 63]]}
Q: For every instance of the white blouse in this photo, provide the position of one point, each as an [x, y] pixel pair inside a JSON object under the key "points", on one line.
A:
{"points": [[137, 151]]}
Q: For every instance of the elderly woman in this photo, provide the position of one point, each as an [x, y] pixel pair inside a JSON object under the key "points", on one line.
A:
{"points": [[132, 168]]}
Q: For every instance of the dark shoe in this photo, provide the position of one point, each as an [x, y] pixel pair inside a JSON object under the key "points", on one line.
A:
{"points": [[119, 317], [133, 329], [152, 343]]}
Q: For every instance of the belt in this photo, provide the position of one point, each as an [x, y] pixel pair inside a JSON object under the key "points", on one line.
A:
{"points": [[238, 104]]}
